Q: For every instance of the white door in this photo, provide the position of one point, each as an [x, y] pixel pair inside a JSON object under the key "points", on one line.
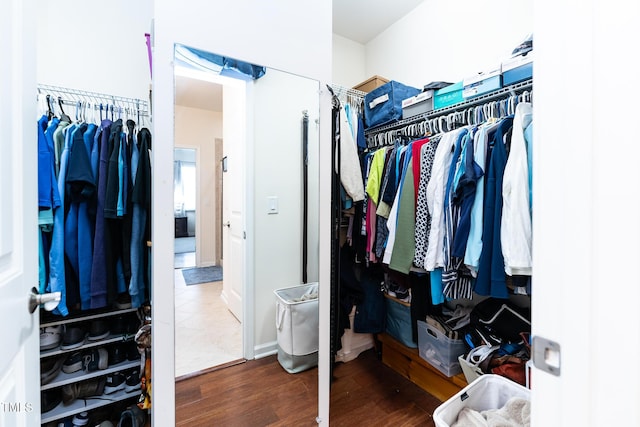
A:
{"points": [[234, 194], [19, 358], [586, 199]]}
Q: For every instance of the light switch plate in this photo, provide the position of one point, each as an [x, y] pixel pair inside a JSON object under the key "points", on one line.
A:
{"points": [[272, 205]]}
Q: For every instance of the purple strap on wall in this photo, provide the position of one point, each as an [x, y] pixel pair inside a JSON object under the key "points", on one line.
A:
{"points": [[148, 37]]}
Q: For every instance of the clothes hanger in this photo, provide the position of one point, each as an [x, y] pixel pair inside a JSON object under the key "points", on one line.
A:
{"points": [[63, 115], [78, 111], [50, 113]]}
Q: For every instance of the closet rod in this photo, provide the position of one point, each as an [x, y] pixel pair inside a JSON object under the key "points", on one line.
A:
{"points": [[514, 89], [80, 95]]}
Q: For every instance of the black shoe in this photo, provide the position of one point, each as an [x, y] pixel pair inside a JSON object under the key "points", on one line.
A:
{"points": [[49, 369], [117, 354], [132, 417], [73, 337], [126, 324], [95, 359], [132, 383], [49, 399], [132, 351], [73, 363], [115, 382], [98, 330], [123, 301]]}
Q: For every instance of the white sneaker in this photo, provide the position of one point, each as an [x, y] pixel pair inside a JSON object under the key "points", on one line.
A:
{"points": [[50, 337]]}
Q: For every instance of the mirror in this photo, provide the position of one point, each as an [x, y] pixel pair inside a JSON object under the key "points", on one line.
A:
{"points": [[255, 220]]}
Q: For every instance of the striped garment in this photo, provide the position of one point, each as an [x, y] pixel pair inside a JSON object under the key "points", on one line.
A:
{"points": [[455, 281]]}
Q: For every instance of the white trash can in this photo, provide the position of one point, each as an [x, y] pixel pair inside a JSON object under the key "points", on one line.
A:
{"points": [[297, 327]]}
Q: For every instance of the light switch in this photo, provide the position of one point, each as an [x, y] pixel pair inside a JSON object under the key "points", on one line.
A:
{"points": [[272, 205]]}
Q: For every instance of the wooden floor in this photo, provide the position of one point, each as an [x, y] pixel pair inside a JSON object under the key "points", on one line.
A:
{"points": [[261, 393]]}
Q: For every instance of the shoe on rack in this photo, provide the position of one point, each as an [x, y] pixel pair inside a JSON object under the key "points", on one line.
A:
{"points": [[132, 383], [95, 359], [49, 399], [117, 353], [115, 382], [72, 337], [132, 417], [132, 351], [80, 420], [125, 324], [123, 301], [73, 363], [49, 369], [50, 337], [98, 330], [92, 387]]}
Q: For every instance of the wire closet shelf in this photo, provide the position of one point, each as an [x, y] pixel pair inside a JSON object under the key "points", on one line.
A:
{"points": [[77, 97], [494, 104]]}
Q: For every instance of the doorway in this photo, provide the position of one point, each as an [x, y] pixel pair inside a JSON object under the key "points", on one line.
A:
{"points": [[207, 334]]}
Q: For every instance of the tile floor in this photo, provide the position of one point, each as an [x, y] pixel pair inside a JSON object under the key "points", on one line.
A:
{"points": [[207, 334]]}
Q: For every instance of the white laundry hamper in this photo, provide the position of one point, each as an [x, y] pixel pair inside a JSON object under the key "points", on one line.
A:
{"points": [[297, 327]]}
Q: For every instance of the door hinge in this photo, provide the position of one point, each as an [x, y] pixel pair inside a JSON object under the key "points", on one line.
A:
{"points": [[244, 235], [546, 355]]}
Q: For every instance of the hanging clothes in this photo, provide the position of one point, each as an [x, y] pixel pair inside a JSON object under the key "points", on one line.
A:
{"points": [[141, 202], [82, 255], [102, 236], [491, 278], [515, 234], [423, 217], [349, 165]]}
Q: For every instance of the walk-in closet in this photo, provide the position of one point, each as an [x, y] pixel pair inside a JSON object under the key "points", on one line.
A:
{"points": [[473, 229]]}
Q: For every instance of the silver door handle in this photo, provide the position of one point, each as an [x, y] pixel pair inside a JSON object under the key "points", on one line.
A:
{"points": [[50, 300]]}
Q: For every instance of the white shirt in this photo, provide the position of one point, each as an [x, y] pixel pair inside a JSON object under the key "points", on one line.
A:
{"points": [[515, 235]]}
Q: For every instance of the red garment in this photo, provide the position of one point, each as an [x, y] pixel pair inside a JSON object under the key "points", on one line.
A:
{"points": [[416, 148]]}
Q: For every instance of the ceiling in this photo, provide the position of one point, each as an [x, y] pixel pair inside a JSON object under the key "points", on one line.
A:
{"points": [[200, 94], [363, 20], [358, 20]]}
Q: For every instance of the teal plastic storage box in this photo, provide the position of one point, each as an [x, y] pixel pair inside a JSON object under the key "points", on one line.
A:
{"points": [[448, 96], [517, 69], [439, 350], [383, 105], [398, 323], [482, 83]]}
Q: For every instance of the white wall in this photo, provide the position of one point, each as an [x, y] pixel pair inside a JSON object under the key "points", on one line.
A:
{"points": [[448, 40], [94, 46], [279, 99], [196, 128], [282, 34], [348, 62]]}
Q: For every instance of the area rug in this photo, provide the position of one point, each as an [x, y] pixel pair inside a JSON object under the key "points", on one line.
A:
{"points": [[194, 276]]}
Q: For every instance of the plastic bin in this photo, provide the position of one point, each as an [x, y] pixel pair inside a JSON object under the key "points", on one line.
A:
{"points": [[297, 327], [471, 372], [439, 350], [398, 321], [448, 96], [489, 391]]}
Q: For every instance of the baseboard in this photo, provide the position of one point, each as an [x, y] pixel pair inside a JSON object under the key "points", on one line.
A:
{"points": [[264, 350]]}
